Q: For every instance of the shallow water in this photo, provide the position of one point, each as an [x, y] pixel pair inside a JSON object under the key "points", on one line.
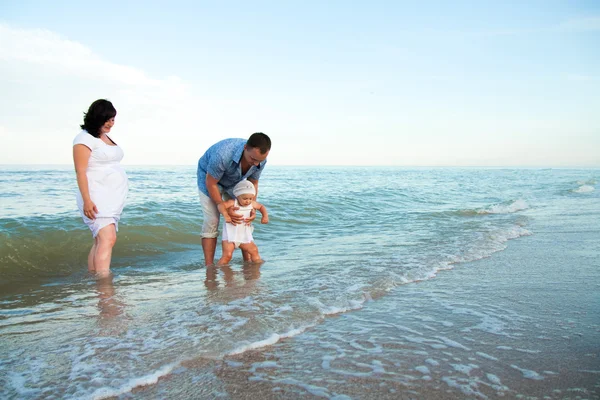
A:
{"points": [[338, 238]]}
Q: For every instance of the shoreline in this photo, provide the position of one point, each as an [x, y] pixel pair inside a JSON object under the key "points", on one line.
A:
{"points": [[516, 324]]}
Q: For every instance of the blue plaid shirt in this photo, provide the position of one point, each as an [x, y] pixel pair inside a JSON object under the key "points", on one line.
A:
{"points": [[222, 162]]}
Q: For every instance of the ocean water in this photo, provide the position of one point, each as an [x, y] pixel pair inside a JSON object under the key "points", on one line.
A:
{"points": [[340, 239]]}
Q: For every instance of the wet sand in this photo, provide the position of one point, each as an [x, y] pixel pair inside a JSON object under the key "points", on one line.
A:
{"points": [[524, 323]]}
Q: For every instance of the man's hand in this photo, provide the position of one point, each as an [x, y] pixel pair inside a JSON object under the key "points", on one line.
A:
{"points": [[225, 212], [252, 217], [231, 215]]}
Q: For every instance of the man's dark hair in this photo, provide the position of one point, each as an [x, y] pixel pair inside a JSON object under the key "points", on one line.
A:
{"points": [[99, 112], [261, 141]]}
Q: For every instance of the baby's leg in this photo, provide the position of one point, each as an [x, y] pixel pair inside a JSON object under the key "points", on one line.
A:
{"points": [[228, 248], [252, 250]]}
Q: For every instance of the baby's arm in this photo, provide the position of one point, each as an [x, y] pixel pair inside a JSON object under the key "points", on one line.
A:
{"points": [[263, 212]]}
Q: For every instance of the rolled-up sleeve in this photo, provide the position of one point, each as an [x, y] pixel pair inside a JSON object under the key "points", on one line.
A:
{"points": [[216, 166]]}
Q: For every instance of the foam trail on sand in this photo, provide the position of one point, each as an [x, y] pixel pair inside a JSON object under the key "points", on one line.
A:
{"points": [[150, 379]]}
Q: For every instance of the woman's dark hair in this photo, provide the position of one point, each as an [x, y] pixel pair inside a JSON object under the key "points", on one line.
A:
{"points": [[259, 140], [99, 112]]}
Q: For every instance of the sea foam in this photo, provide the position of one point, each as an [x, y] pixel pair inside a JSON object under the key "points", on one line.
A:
{"points": [[584, 189], [506, 208]]}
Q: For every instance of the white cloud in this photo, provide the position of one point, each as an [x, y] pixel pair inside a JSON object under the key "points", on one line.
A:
{"points": [[50, 50], [48, 82]]}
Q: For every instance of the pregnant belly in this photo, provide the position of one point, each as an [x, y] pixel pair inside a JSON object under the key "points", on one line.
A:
{"points": [[109, 192], [116, 180]]}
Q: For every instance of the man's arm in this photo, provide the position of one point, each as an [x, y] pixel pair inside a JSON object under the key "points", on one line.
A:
{"points": [[213, 189], [228, 205], [215, 195]]}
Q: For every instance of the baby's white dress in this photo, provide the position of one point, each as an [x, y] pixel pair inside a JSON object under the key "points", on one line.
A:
{"points": [[107, 182], [240, 233]]}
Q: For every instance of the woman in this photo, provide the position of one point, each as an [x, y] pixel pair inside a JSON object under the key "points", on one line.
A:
{"points": [[102, 182]]}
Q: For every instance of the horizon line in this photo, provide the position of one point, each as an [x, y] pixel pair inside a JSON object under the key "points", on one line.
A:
{"points": [[334, 166]]}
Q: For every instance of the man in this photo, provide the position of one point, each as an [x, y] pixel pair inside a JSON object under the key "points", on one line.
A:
{"points": [[222, 166]]}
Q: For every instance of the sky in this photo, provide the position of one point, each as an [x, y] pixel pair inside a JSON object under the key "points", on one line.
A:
{"points": [[428, 83]]}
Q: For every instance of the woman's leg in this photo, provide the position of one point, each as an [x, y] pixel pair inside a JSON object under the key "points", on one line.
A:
{"points": [[91, 267], [105, 241]]}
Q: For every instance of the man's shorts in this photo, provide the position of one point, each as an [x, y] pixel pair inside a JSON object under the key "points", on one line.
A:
{"points": [[210, 226]]}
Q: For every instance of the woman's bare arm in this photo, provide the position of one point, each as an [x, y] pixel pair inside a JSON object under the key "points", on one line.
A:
{"points": [[81, 158]]}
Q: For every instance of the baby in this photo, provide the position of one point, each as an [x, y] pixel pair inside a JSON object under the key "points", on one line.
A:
{"points": [[240, 235]]}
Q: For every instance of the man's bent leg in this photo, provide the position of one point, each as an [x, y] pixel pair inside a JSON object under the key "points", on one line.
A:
{"points": [[210, 228], [209, 246]]}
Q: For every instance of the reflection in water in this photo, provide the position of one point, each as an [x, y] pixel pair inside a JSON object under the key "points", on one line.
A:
{"points": [[211, 277], [250, 272], [109, 306]]}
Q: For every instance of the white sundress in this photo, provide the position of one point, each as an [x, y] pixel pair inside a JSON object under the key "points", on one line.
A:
{"points": [[240, 233], [107, 182]]}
